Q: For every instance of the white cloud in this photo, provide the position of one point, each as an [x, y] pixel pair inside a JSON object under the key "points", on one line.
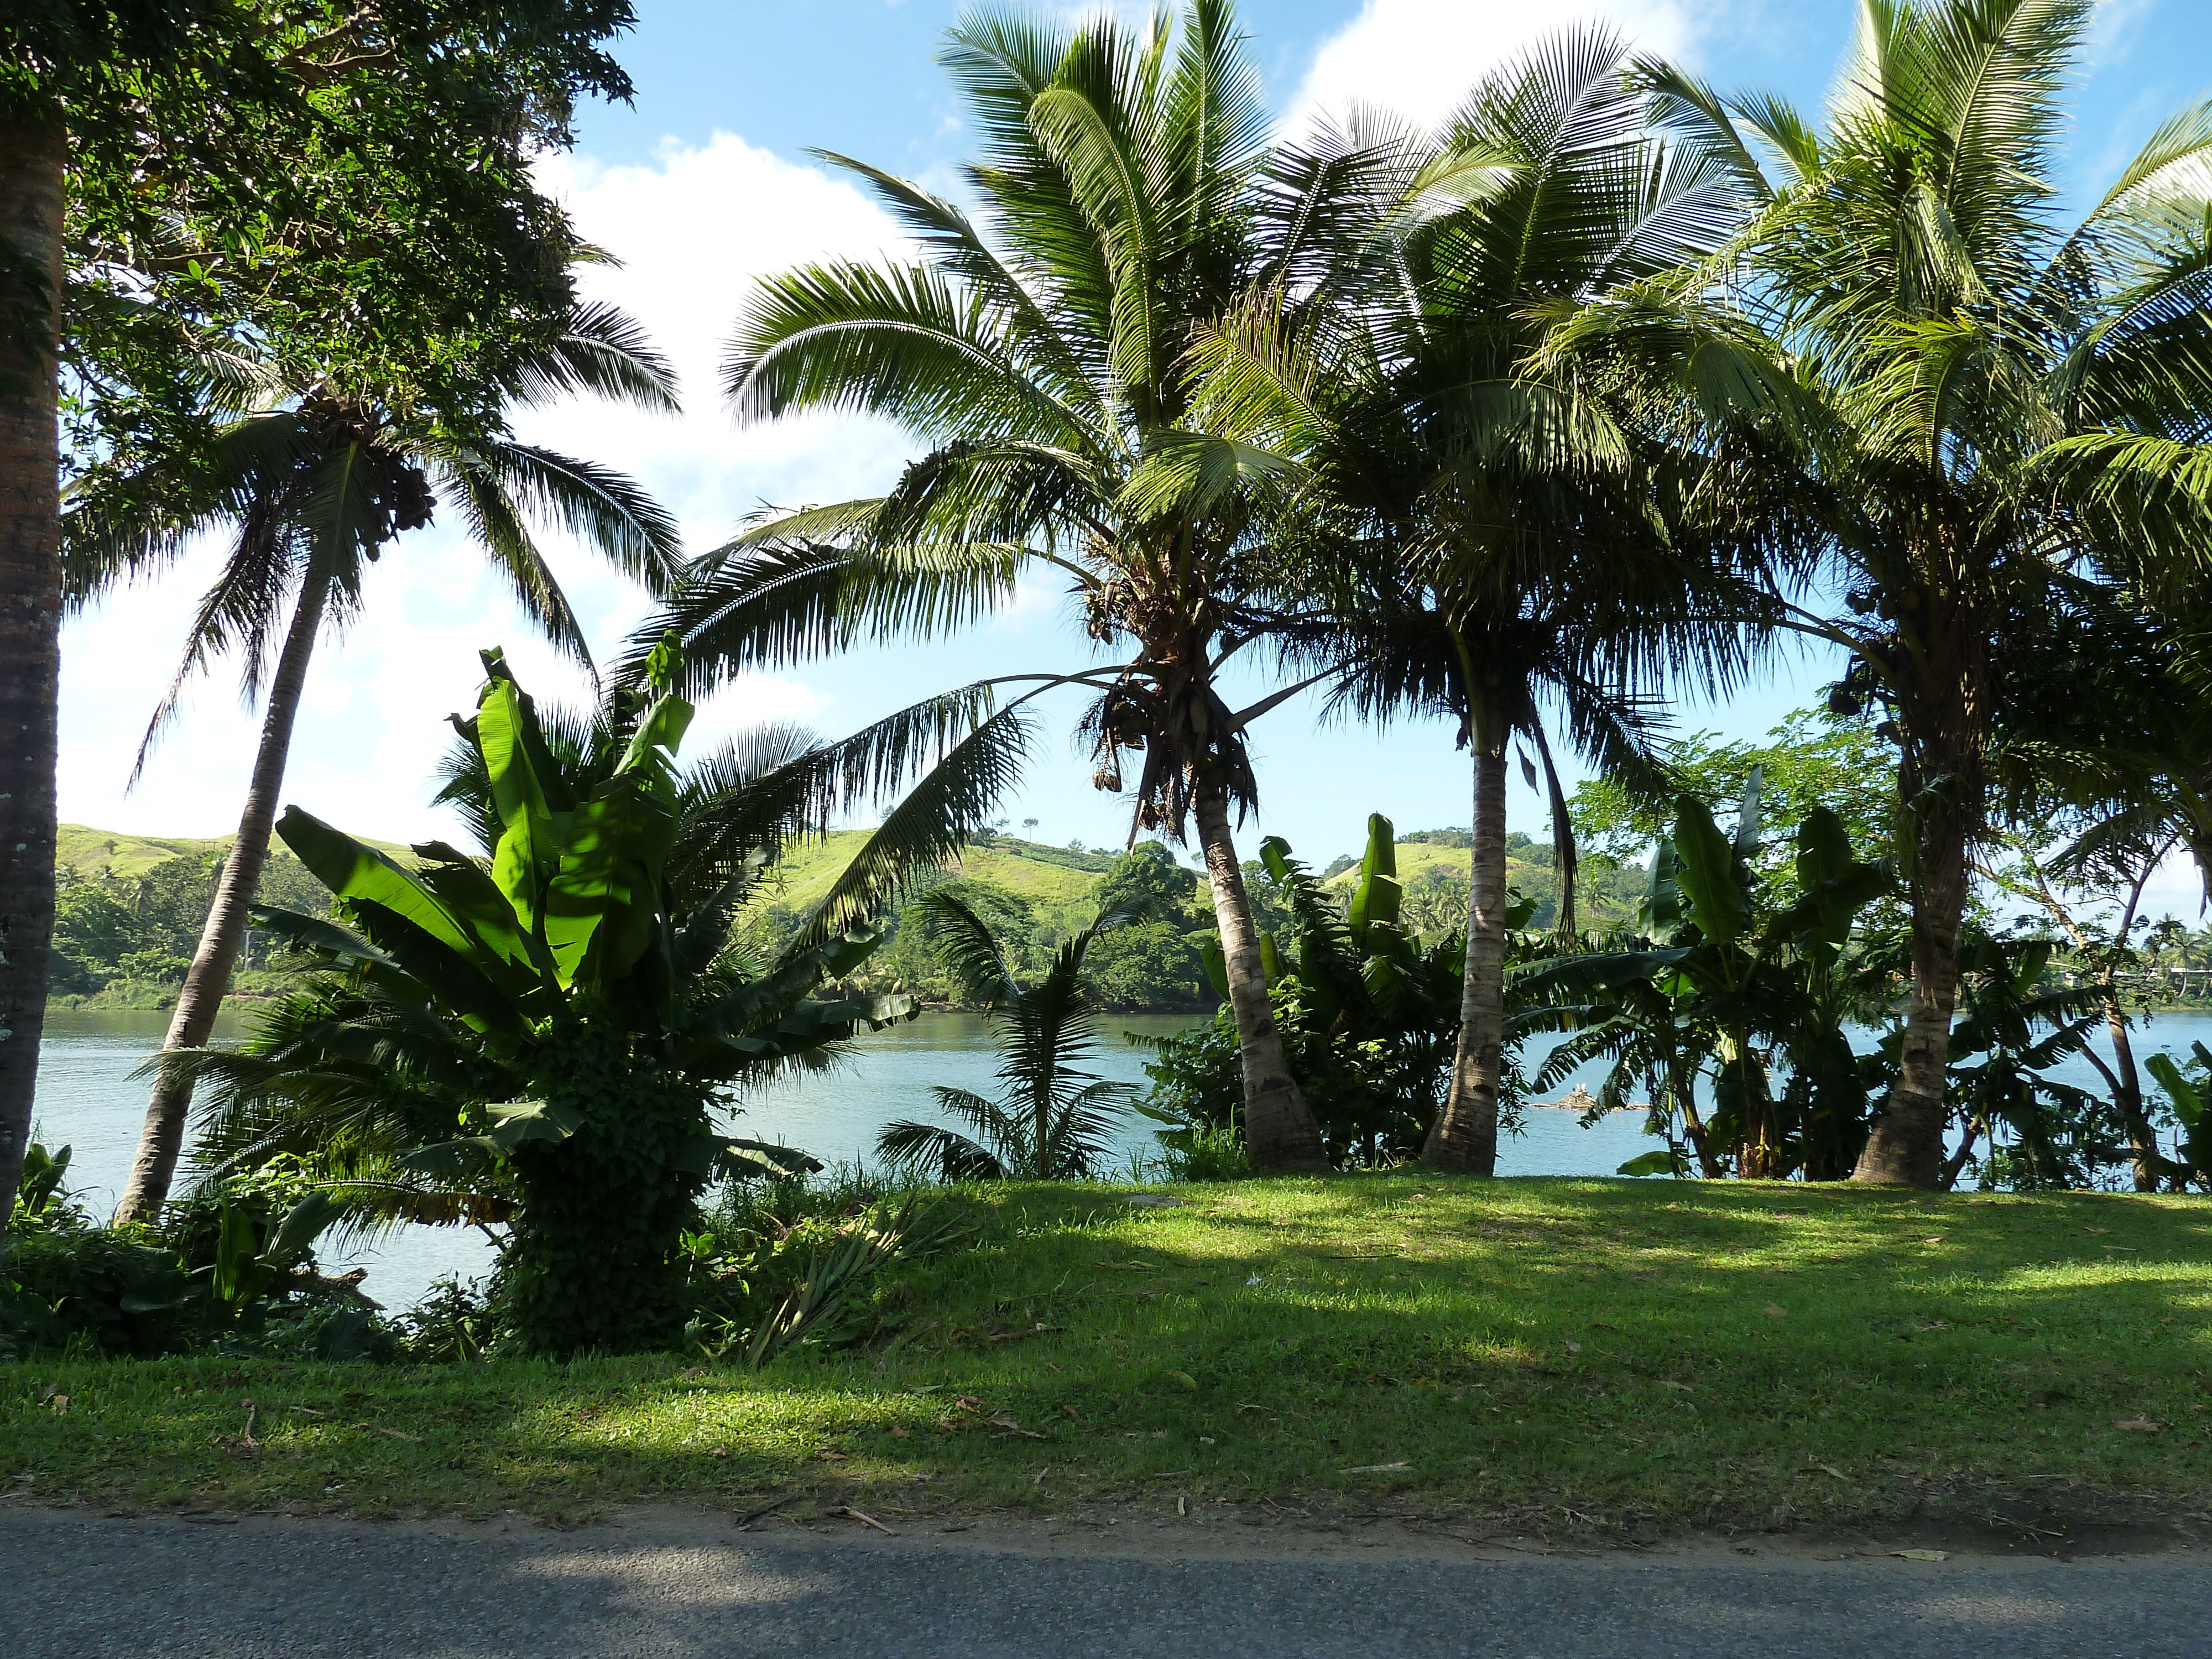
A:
{"points": [[1418, 58], [693, 229]]}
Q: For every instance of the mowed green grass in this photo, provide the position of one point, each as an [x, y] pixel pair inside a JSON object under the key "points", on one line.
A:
{"points": [[1673, 1354]]}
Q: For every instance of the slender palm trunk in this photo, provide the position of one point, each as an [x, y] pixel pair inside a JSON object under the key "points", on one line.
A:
{"points": [[31, 187], [162, 1137], [1279, 1131], [1956, 1165], [1906, 1148], [1465, 1135], [2127, 1095]]}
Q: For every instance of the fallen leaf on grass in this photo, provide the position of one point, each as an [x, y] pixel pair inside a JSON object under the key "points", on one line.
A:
{"points": [[1922, 1555], [866, 1520], [1574, 1347], [1012, 1427], [395, 1435], [1376, 1469], [2138, 1425], [1680, 1388], [1773, 1312], [1827, 1468], [1183, 1380], [901, 1434], [828, 1455]]}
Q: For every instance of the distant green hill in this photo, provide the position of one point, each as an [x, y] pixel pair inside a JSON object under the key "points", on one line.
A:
{"points": [[93, 853], [1045, 876], [96, 853]]}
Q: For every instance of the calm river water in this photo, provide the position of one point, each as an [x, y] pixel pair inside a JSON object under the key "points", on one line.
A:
{"points": [[88, 1101]]}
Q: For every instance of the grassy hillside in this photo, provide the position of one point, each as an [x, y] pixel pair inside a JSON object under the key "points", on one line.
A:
{"points": [[96, 853], [93, 853], [1434, 873], [1045, 876]]}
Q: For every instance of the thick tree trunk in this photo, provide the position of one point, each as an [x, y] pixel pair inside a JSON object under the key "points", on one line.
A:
{"points": [[1465, 1134], [162, 1137], [1279, 1131], [31, 188], [1906, 1148]]}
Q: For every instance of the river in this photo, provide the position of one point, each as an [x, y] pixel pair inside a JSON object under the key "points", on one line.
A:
{"points": [[88, 1101]]}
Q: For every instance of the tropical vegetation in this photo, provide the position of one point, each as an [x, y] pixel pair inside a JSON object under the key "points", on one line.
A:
{"points": [[1536, 428]]}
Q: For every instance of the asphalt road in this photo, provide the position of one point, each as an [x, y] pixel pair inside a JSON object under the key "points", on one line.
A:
{"points": [[74, 1585]]}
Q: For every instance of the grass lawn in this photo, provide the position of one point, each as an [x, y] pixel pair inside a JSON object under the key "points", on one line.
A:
{"points": [[1640, 1355]]}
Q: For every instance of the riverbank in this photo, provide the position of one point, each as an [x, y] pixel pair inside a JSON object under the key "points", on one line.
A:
{"points": [[1569, 1354]]}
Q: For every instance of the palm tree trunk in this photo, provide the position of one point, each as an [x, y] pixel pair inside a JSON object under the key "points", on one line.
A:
{"points": [[31, 189], [1906, 1148], [2127, 1095], [1465, 1135], [1956, 1164], [1280, 1131], [162, 1137]]}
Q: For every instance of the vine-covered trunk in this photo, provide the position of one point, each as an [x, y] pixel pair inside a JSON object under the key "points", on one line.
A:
{"points": [[1279, 1131], [161, 1139], [594, 1262], [1465, 1134], [31, 185]]}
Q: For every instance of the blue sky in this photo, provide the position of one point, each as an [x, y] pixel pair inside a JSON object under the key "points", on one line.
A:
{"points": [[704, 182]]}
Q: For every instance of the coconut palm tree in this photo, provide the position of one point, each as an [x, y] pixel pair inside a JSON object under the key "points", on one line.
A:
{"points": [[309, 488], [1505, 560], [1968, 403], [1053, 1121], [1038, 357]]}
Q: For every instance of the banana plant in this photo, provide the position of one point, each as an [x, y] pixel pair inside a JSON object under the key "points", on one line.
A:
{"points": [[1375, 1011], [544, 1034], [2189, 1091], [1729, 984]]}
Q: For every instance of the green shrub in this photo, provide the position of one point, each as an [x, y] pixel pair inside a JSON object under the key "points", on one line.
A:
{"points": [[231, 1268]]}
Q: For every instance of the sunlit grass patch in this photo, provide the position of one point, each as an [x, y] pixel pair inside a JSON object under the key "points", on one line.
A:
{"points": [[1671, 1352]]}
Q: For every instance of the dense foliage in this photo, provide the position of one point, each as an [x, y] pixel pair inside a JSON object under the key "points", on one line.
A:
{"points": [[128, 939], [542, 1035]]}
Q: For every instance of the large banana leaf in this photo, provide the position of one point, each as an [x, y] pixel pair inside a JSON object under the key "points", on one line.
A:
{"points": [[1706, 872], [1378, 896], [525, 785]]}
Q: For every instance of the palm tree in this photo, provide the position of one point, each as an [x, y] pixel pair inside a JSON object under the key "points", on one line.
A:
{"points": [[1967, 404], [1040, 364], [1505, 562], [1053, 1120], [310, 488]]}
